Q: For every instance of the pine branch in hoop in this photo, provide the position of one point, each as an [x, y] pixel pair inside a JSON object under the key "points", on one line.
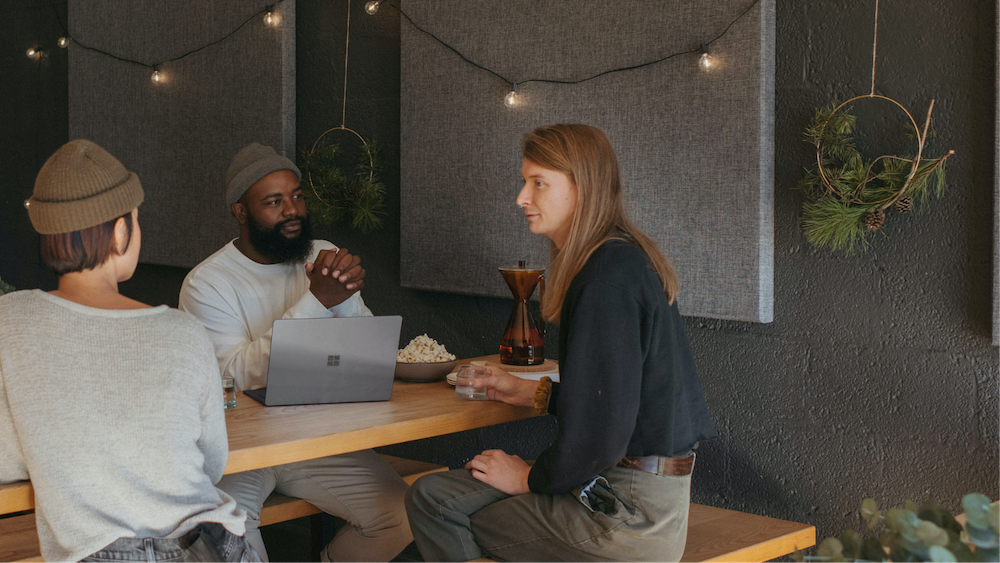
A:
{"points": [[338, 190], [847, 195]]}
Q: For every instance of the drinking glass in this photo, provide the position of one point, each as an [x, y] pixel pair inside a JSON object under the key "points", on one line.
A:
{"points": [[228, 393], [462, 378]]}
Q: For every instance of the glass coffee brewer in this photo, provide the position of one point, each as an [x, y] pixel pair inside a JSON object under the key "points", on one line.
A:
{"points": [[523, 343]]}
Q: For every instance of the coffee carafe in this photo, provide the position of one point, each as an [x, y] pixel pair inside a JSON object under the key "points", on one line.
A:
{"points": [[523, 343]]}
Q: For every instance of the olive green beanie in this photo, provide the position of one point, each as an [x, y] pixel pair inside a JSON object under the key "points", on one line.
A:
{"points": [[252, 163], [81, 186]]}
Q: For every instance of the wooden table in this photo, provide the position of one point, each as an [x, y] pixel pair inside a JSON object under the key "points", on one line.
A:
{"points": [[262, 436], [266, 436]]}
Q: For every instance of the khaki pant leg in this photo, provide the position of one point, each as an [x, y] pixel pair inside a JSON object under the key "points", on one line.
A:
{"points": [[638, 516], [364, 490]]}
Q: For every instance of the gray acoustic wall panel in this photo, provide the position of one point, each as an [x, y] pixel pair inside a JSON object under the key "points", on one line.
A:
{"points": [[180, 134], [695, 146]]}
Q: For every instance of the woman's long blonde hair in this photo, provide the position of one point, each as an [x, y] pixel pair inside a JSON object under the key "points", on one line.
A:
{"points": [[584, 154]]}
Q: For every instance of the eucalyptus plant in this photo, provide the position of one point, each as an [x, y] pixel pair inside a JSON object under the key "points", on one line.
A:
{"points": [[5, 287], [918, 533]]}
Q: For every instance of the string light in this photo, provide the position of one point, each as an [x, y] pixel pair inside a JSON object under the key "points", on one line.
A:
{"points": [[705, 61], [157, 77], [510, 100]]}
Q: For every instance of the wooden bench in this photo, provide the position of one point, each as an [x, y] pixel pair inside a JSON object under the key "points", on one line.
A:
{"points": [[714, 534], [717, 534], [19, 539]]}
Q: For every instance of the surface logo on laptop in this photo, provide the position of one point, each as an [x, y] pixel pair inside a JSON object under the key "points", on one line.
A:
{"points": [[333, 361]]}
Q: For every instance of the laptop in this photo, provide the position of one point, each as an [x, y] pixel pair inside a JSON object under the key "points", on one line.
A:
{"points": [[330, 360]]}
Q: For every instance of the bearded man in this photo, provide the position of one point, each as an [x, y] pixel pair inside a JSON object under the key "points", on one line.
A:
{"points": [[275, 270]]}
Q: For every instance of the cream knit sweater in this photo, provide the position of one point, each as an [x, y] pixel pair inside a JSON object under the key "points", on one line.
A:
{"points": [[116, 417]]}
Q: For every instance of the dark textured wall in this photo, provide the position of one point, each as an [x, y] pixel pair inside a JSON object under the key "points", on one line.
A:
{"points": [[33, 124], [877, 377]]}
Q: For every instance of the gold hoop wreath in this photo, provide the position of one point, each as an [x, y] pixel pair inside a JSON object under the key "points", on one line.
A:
{"points": [[847, 196], [331, 193], [843, 211]]}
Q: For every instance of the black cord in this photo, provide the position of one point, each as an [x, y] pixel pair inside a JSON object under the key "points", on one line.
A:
{"points": [[454, 50], [551, 81], [268, 8], [513, 83]]}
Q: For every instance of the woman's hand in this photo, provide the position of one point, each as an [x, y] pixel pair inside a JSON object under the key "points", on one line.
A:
{"points": [[507, 473], [504, 387]]}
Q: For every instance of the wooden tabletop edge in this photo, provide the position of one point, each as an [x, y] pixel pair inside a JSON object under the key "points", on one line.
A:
{"points": [[257, 457]]}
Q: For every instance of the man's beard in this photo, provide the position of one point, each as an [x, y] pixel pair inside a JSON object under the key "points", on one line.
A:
{"points": [[278, 248]]}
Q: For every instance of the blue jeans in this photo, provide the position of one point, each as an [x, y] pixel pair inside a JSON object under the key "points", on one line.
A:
{"points": [[208, 542]]}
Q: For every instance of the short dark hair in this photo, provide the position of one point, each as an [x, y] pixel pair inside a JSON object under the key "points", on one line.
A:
{"points": [[84, 249]]}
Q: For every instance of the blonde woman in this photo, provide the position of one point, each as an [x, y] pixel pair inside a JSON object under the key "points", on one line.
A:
{"points": [[615, 484], [111, 407]]}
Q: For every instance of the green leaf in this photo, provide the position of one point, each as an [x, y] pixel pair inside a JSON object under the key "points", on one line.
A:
{"points": [[870, 512], [981, 538], [911, 506], [995, 517], [832, 548], [988, 554], [5, 287], [871, 550], [851, 542], [938, 553], [929, 534], [902, 521], [977, 510]]}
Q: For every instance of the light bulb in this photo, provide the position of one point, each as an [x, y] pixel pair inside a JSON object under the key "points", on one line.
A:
{"points": [[706, 61], [63, 42], [372, 7], [157, 77], [33, 52], [269, 17], [510, 100]]}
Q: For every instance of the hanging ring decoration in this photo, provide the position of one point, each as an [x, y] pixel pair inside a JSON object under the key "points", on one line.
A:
{"points": [[847, 196], [336, 193], [312, 152], [920, 136], [842, 211]]}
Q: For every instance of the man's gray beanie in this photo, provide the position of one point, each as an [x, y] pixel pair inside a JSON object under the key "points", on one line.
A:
{"points": [[252, 163]]}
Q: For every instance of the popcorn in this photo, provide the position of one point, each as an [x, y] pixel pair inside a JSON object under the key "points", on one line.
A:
{"points": [[423, 349]]}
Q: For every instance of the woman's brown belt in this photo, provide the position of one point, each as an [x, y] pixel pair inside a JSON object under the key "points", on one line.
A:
{"points": [[659, 465]]}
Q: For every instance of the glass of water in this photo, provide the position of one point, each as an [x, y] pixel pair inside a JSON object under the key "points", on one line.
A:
{"points": [[228, 393], [462, 378]]}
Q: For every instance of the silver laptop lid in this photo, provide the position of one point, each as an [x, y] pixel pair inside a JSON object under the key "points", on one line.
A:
{"points": [[338, 360]]}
